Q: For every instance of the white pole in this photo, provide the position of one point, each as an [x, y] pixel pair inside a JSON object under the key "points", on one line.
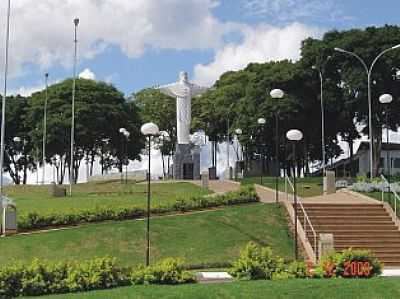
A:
{"points": [[3, 111], [44, 130], [71, 166]]}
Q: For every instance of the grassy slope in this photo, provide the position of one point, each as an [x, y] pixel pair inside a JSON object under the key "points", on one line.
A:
{"points": [[214, 236], [111, 194], [378, 288], [306, 187]]}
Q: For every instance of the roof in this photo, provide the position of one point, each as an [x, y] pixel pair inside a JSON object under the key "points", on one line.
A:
{"points": [[364, 146]]}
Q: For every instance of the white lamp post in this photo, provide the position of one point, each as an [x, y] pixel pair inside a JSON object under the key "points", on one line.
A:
{"points": [[46, 76], [369, 72], [261, 121], [277, 94], [238, 132], [71, 167], [3, 106], [322, 117], [126, 135], [149, 130], [386, 99], [294, 136]]}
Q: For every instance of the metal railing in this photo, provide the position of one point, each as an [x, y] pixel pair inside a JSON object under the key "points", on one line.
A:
{"points": [[390, 190], [306, 219]]}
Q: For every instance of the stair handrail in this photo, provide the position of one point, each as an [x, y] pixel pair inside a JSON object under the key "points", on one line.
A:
{"points": [[305, 215], [396, 195]]}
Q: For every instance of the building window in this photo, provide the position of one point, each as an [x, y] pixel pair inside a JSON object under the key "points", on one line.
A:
{"points": [[396, 163]]}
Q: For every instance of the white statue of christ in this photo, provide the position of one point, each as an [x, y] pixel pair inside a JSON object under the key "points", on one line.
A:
{"points": [[183, 90]]}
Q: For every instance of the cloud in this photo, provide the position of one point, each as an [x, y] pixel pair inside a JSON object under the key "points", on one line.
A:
{"points": [[42, 31], [296, 10], [260, 44], [87, 74]]}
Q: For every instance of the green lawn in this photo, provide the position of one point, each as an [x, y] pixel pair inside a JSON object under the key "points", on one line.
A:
{"points": [[377, 288], [205, 237], [306, 187], [99, 195], [390, 198]]}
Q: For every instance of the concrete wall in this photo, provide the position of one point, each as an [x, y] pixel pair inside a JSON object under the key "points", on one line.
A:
{"points": [[138, 175]]}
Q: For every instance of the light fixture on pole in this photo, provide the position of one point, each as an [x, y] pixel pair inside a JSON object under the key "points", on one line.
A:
{"points": [[238, 133], [71, 166], [3, 110], [277, 94], [369, 72], [125, 160], [124, 132], [261, 121], [322, 117], [46, 76], [294, 136], [386, 99], [149, 130]]}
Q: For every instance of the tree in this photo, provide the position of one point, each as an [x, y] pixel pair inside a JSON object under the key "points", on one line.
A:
{"points": [[160, 109], [100, 110], [19, 152]]}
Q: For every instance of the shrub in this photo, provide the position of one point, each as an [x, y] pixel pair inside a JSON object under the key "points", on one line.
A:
{"points": [[35, 221], [350, 264], [168, 271], [256, 262], [40, 277]]}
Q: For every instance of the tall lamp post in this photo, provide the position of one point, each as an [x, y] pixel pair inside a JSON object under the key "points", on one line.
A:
{"points": [[294, 136], [277, 94], [46, 77], [71, 166], [386, 99], [149, 130], [238, 133], [126, 134], [319, 70], [261, 121], [369, 72], [3, 103]]}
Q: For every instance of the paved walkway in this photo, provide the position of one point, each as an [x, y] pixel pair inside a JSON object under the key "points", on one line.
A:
{"points": [[341, 197]]}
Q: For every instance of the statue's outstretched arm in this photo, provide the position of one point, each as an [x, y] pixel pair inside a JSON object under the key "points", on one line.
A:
{"points": [[169, 89]]}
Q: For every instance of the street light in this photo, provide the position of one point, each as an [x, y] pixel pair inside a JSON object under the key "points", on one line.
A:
{"points": [[294, 136], [126, 134], [322, 117], [149, 130], [369, 72], [261, 121], [71, 167], [3, 103], [164, 136], [386, 99], [46, 76], [238, 133], [277, 94]]}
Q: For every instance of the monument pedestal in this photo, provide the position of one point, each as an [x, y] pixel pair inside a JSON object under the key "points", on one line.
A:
{"points": [[187, 162]]}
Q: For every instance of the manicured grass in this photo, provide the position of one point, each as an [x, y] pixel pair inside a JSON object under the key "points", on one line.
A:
{"points": [[377, 288], [205, 237], [306, 187], [99, 195]]}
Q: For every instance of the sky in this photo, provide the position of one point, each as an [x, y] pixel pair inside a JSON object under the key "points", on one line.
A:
{"points": [[143, 43]]}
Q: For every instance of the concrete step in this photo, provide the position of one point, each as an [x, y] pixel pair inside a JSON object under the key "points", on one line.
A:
{"points": [[371, 248], [354, 227]]}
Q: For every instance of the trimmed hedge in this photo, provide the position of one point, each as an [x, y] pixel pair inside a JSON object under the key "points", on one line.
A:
{"points": [[43, 278], [246, 194]]}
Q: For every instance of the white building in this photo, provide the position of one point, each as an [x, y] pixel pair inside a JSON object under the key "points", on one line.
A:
{"points": [[361, 161]]}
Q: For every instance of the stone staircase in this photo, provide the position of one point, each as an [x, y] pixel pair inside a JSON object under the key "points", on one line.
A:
{"points": [[359, 226]]}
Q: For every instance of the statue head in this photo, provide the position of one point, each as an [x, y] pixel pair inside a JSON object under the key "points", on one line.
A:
{"points": [[183, 77]]}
